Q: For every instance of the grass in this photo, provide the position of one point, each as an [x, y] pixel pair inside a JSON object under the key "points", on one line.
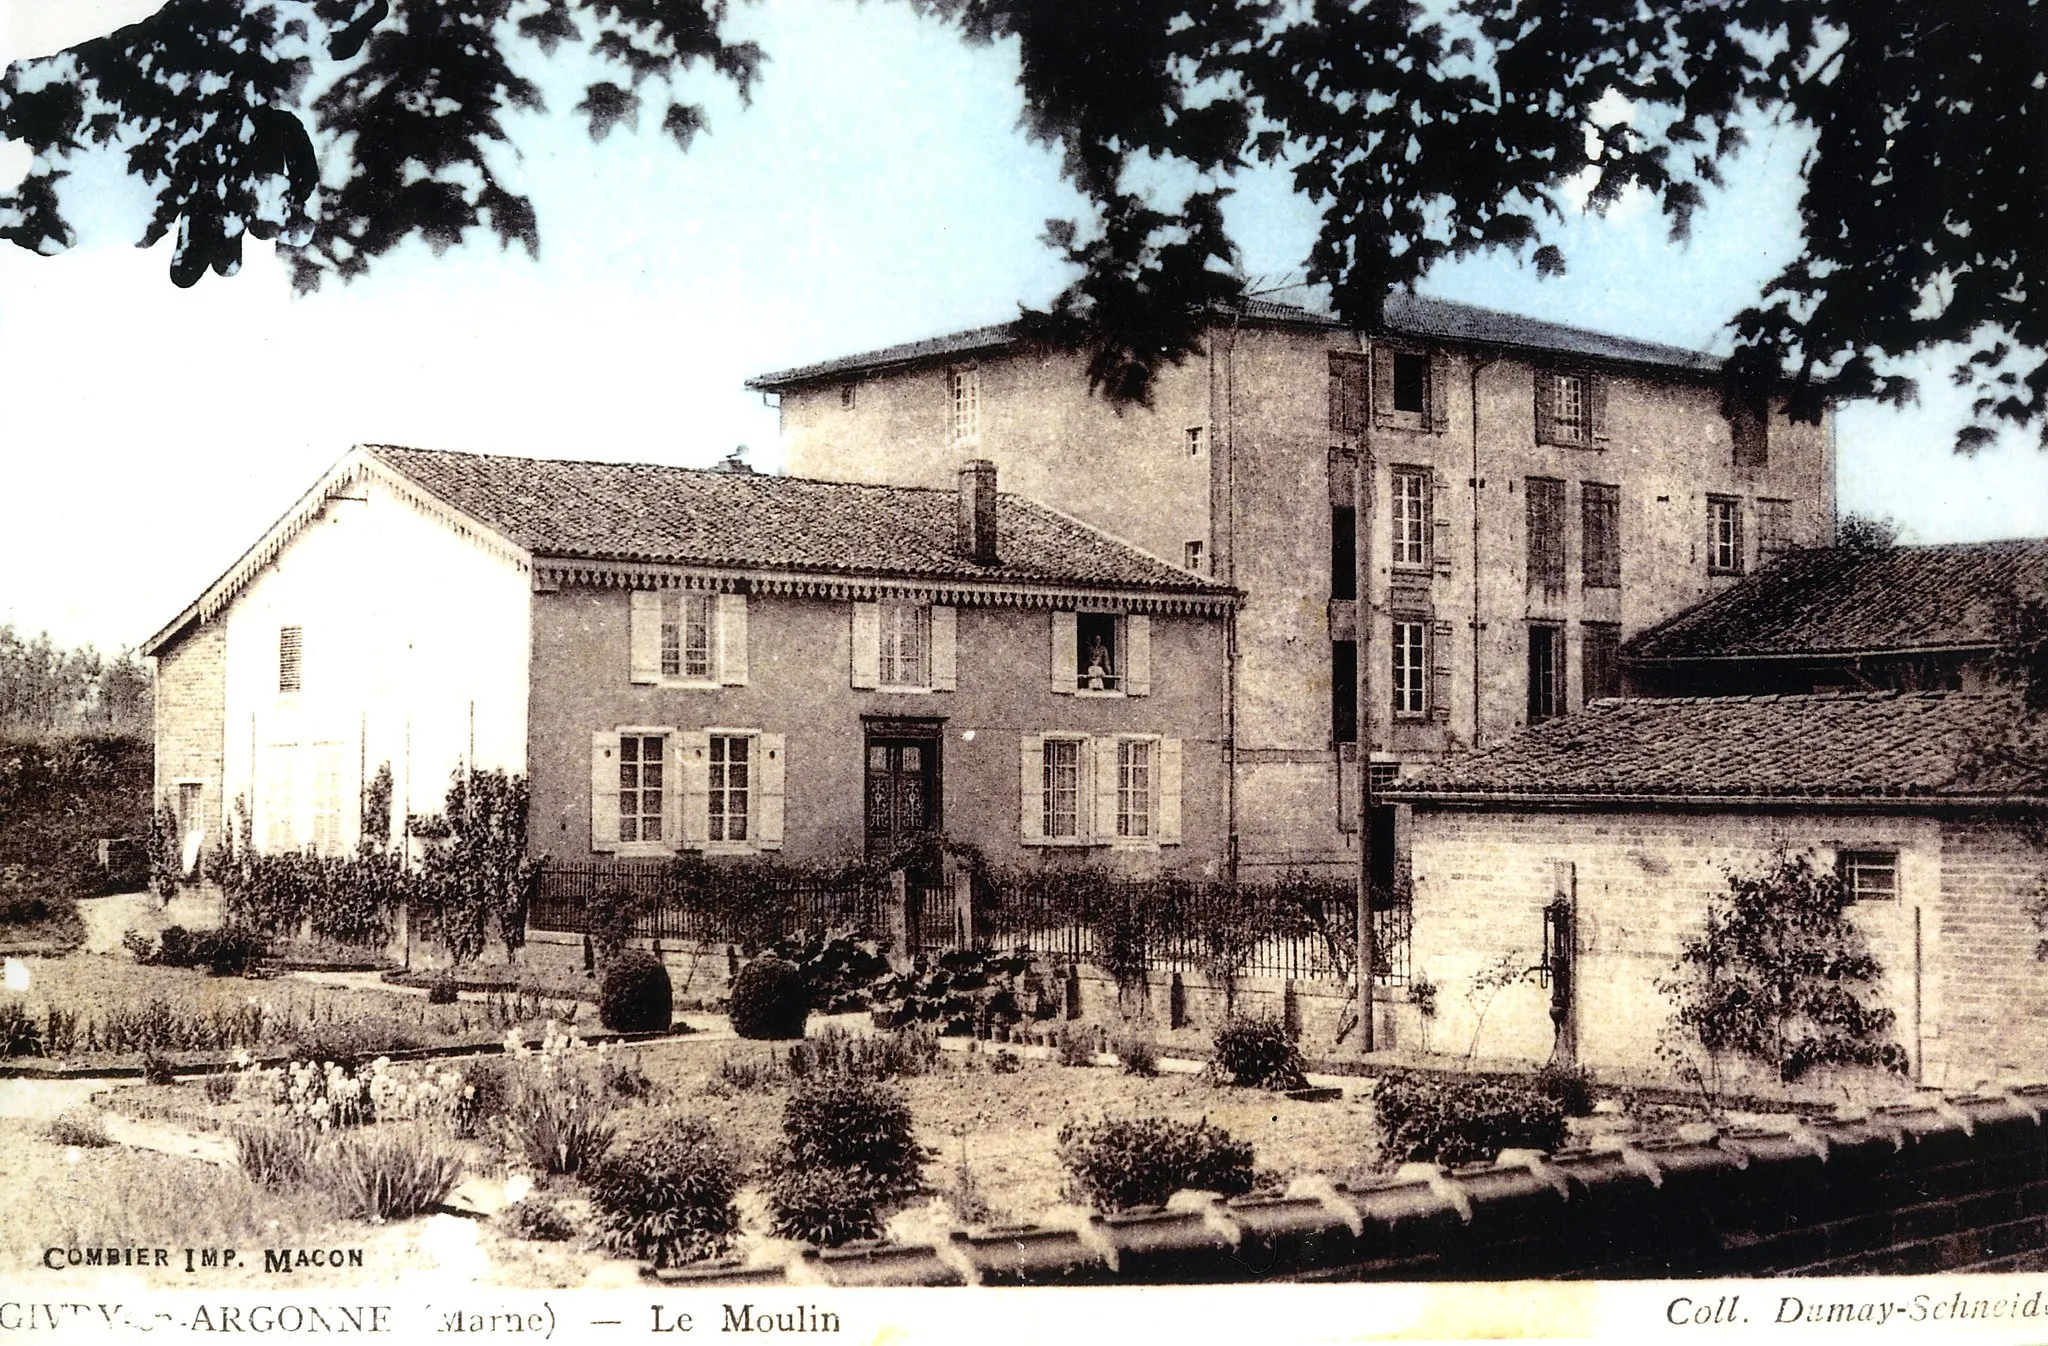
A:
{"points": [[111, 1010]]}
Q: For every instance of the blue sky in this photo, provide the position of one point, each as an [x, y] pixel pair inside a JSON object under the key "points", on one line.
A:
{"points": [[878, 190]]}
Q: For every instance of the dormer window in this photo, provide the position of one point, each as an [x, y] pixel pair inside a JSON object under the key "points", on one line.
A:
{"points": [[963, 396]]}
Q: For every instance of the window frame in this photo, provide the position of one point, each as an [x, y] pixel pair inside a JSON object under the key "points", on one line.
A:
{"points": [[963, 405], [1609, 637], [1083, 797], [890, 633], [717, 819], [1194, 556], [1572, 430], [1410, 682], [1195, 439], [1852, 862], [1555, 678], [1724, 554], [664, 789], [1547, 557], [1343, 691], [1411, 526], [680, 602], [1343, 553], [291, 660], [1117, 677], [1126, 792]]}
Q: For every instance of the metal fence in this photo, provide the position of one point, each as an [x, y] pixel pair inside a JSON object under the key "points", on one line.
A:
{"points": [[1171, 927]]}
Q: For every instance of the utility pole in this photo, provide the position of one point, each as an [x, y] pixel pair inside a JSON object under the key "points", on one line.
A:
{"points": [[1362, 628]]}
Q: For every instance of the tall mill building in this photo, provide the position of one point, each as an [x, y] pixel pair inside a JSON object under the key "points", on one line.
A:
{"points": [[1532, 495]]}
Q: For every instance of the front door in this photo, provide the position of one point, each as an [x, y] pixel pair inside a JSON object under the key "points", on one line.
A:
{"points": [[902, 793]]}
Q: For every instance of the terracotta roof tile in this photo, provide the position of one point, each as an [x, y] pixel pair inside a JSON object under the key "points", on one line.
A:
{"points": [[1859, 744], [655, 513]]}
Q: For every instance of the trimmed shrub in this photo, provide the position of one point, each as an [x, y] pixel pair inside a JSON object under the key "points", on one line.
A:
{"points": [[79, 1126], [1570, 1086], [668, 1197], [1140, 1161], [442, 992], [1255, 1052], [635, 996], [1138, 1055], [769, 1000], [825, 1206], [843, 1121], [1005, 1063], [1463, 1119], [1074, 1045], [538, 1218], [392, 1171]]}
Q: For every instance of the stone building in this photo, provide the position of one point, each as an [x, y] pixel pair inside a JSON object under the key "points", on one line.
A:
{"points": [[1535, 495], [705, 661]]}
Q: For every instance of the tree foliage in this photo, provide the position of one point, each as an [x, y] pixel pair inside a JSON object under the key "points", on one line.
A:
{"points": [[45, 688], [1421, 132], [1782, 977]]}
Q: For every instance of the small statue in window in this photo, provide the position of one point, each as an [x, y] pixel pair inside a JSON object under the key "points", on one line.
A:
{"points": [[1100, 672]]}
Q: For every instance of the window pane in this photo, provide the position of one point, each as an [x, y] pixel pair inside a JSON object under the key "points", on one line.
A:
{"points": [[1343, 691], [1062, 788], [1411, 381], [1545, 656], [1343, 552]]}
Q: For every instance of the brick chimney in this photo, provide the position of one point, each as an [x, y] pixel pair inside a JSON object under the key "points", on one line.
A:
{"points": [[978, 511]]}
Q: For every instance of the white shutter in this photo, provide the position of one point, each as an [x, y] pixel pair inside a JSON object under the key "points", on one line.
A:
{"points": [[604, 791], [867, 645], [1169, 792], [1382, 385], [1063, 653], [693, 785], [1105, 788], [732, 639], [771, 752], [1137, 656], [645, 635], [944, 675], [1596, 412], [671, 792], [1031, 787]]}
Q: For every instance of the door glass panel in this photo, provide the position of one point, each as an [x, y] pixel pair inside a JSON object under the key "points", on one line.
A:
{"points": [[913, 758]]}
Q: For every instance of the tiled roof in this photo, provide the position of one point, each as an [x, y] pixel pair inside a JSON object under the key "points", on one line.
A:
{"points": [[1405, 314], [653, 513], [1847, 745], [1835, 602]]}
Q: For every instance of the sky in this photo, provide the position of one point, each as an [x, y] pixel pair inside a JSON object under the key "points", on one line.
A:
{"points": [[878, 190]]}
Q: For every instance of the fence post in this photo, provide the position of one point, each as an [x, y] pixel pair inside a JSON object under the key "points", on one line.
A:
{"points": [[963, 907], [898, 915], [1073, 990], [1177, 1003]]}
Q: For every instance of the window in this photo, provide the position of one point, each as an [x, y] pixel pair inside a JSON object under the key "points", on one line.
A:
{"points": [[327, 799], [1343, 552], [686, 635], [905, 645], [1195, 435], [1546, 534], [848, 394], [1095, 652], [1063, 787], [1773, 529], [1193, 559], [731, 786], [1869, 876], [1135, 781], [1411, 382], [1411, 516], [1749, 426], [963, 395], [1599, 668], [1344, 691], [1411, 667], [642, 789], [1600, 535], [290, 645], [1546, 672], [1724, 535], [188, 807], [1564, 407]]}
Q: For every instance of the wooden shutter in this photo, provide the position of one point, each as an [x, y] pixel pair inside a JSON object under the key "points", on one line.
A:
{"points": [[732, 639], [1031, 786], [1596, 406], [1546, 407], [604, 791], [1439, 392], [867, 645], [1439, 526], [1169, 792], [1545, 511], [770, 765], [944, 659], [1063, 653], [1440, 670], [644, 634], [1137, 656], [672, 811], [1382, 386], [1104, 762], [693, 785], [1348, 403]]}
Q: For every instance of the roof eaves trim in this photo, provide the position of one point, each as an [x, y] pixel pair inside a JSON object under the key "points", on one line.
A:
{"points": [[1918, 802], [554, 571], [360, 464], [1820, 655]]}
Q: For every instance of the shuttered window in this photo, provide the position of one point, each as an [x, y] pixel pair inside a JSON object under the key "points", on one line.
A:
{"points": [[643, 787], [686, 635], [1600, 535], [1136, 781], [290, 650], [731, 787], [1062, 787], [1546, 672], [1571, 408], [1411, 668], [1349, 400], [1599, 668], [1343, 552], [1773, 529], [1724, 535], [1411, 517], [1546, 534], [1749, 427]]}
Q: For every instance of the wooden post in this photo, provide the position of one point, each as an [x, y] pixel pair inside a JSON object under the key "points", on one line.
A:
{"points": [[963, 907], [1564, 883], [899, 915], [1363, 627]]}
